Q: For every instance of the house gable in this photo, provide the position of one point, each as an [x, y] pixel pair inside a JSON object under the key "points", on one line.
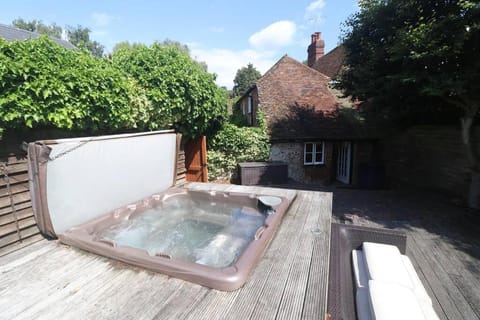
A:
{"points": [[291, 84]]}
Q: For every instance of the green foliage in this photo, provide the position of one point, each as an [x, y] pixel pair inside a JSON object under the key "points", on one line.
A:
{"points": [[245, 79], [408, 55], [38, 26], [66, 89], [261, 119], [125, 45], [237, 117], [183, 95], [80, 37], [234, 144]]}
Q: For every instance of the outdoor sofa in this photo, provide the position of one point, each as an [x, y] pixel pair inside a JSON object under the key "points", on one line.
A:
{"points": [[388, 285]]}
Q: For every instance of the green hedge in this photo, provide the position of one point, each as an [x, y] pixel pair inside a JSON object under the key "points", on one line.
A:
{"points": [[45, 85], [183, 95]]}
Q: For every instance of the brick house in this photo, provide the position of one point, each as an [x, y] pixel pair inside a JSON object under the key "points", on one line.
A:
{"points": [[311, 127]]}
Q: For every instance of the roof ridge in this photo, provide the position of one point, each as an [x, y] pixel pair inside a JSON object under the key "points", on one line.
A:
{"points": [[331, 51], [34, 34], [23, 30], [310, 68], [286, 56]]}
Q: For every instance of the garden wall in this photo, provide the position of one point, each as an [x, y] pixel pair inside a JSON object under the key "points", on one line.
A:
{"points": [[430, 157]]}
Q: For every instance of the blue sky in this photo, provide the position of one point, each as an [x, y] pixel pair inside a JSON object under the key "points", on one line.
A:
{"points": [[225, 34]]}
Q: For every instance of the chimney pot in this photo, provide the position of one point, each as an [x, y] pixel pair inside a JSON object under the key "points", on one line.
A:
{"points": [[315, 49]]}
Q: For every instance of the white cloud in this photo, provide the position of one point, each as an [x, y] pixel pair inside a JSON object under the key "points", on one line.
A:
{"points": [[276, 35], [102, 19], [263, 52], [314, 11], [315, 6], [225, 63]]}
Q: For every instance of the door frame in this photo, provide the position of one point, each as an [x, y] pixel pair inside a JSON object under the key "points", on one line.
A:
{"points": [[343, 166], [196, 160]]}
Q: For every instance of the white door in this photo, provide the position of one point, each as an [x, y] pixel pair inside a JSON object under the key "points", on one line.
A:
{"points": [[344, 156]]}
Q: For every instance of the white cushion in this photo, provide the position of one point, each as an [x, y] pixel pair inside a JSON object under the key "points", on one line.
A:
{"points": [[391, 301], [428, 311], [384, 263], [418, 287], [362, 300], [359, 269]]}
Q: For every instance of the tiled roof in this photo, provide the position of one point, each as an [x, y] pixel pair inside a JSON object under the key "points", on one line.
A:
{"points": [[299, 105], [10, 33], [331, 63], [290, 83]]}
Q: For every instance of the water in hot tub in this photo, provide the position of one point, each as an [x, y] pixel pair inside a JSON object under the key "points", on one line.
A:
{"points": [[209, 233]]}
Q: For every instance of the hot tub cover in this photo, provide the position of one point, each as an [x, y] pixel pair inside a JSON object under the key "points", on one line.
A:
{"points": [[76, 180]]}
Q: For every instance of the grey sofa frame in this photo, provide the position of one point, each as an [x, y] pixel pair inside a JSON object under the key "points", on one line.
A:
{"points": [[344, 239]]}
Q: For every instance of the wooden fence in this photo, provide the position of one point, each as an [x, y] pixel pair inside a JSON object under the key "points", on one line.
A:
{"points": [[17, 224]]}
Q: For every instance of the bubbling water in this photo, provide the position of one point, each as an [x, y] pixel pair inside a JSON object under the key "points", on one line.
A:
{"points": [[197, 230]]}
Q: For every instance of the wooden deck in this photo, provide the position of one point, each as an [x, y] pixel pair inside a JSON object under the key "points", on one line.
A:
{"points": [[48, 280], [443, 242]]}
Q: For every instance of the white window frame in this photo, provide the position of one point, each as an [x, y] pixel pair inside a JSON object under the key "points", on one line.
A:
{"points": [[249, 103], [315, 146]]}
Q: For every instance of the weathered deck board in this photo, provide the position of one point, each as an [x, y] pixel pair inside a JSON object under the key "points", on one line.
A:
{"points": [[436, 277], [50, 280], [463, 292], [317, 288]]}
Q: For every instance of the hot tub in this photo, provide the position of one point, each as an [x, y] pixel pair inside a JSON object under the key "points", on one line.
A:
{"points": [[91, 193]]}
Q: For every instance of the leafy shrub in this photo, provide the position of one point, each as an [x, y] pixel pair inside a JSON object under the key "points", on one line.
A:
{"points": [[234, 144], [45, 85], [183, 94]]}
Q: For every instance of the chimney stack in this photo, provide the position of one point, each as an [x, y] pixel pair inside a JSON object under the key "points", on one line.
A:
{"points": [[315, 49]]}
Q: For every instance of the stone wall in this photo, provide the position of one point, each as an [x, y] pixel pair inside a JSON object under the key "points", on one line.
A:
{"points": [[292, 153], [431, 157]]}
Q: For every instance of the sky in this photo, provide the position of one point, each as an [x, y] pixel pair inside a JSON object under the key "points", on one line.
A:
{"points": [[226, 35]]}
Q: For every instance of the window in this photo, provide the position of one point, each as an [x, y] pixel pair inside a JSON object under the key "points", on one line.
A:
{"points": [[250, 102], [314, 153]]}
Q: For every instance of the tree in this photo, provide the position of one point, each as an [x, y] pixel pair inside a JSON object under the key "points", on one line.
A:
{"points": [[125, 45], [183, 95], [245, 78], [38, 26], [80, 37], [404, 56]]}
